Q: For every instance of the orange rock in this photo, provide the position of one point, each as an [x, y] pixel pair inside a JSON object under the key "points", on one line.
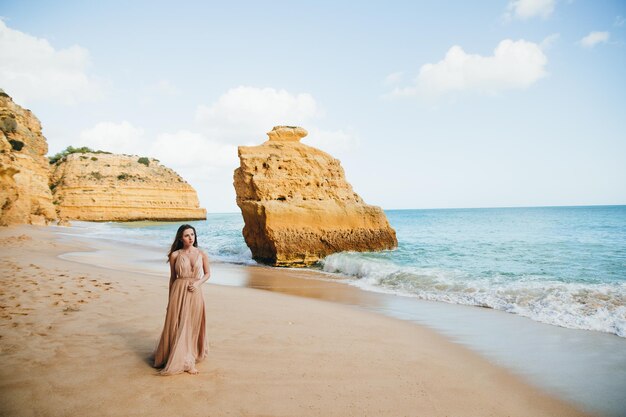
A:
{"points": [[24, 193], [297, 205], [112, 187]]}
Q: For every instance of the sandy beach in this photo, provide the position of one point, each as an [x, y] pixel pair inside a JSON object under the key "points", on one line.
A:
{"points": [[76, 339]]}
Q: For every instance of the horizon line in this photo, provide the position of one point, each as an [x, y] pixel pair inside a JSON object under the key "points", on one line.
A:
{"points": [[472, 208]]}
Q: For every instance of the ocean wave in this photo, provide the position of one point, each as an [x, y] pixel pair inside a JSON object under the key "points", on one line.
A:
{"points": [[230, 252], [575, 305], [223, 246]]}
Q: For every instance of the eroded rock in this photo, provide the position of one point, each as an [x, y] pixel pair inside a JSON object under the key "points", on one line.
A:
{"points": [[297, 205], [112, 187], [24, 169]]}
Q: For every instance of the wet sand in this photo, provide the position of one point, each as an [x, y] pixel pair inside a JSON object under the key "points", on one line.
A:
{"points": [[75, 339]]}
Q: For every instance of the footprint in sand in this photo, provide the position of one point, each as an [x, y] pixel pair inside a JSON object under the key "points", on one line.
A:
{"points": [[10, 348]]}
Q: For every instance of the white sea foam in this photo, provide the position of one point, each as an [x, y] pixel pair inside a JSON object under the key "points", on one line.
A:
{"points": [[589, 306]]}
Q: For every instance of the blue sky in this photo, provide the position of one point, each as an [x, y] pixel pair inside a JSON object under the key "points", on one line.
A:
{"points": [[427, 104]]}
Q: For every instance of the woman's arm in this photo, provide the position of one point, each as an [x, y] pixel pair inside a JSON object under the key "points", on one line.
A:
{"points": [[173, 257]]}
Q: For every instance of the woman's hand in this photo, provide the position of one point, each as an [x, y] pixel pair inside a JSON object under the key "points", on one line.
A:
{"points": [[193, 286]]}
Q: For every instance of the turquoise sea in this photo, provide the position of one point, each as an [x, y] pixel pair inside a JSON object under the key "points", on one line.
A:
{"points": [[564, 266]]}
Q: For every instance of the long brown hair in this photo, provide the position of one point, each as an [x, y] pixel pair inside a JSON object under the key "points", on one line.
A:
{"points": [[178, 240]]}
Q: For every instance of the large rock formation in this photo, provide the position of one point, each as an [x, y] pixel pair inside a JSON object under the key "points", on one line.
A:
{"points": [[110, 187], [24, 193], [298, 206]]}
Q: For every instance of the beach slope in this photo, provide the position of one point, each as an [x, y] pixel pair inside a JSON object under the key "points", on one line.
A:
{"points": [[76, 339]]}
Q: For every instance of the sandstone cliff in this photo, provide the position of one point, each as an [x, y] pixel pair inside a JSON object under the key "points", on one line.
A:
{"points": [[297, 205], [24, 193], [110, 187]]}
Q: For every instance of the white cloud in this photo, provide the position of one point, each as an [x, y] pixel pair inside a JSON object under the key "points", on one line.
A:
{"points": [[243, 114], [394, 78], [32, 70], [594, 38], [336, 142], [180, 149], [513, 65], [549, 41], [526, 9], [115, 137], [190, 149], [164, 87]]}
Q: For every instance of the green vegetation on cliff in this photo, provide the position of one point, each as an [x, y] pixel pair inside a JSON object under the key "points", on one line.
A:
{"points": [[70, 150]]}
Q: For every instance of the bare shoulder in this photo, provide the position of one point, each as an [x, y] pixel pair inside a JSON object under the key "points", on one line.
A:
{"points": [[204, 255], [173, 256]]}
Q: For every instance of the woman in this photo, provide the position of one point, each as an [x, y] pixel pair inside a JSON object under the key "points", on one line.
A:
{"points": [[183, 341]]}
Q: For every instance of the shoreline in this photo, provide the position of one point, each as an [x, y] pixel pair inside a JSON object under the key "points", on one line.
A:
{"points": [[270, 353], [583, 367]]}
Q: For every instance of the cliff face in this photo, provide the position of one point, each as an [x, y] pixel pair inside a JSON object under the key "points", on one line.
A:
{"points": [[110, 187], [24, 169], [297, 205]]}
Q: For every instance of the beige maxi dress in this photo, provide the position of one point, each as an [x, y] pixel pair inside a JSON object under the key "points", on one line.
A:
{"points": [[183, 341]]}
